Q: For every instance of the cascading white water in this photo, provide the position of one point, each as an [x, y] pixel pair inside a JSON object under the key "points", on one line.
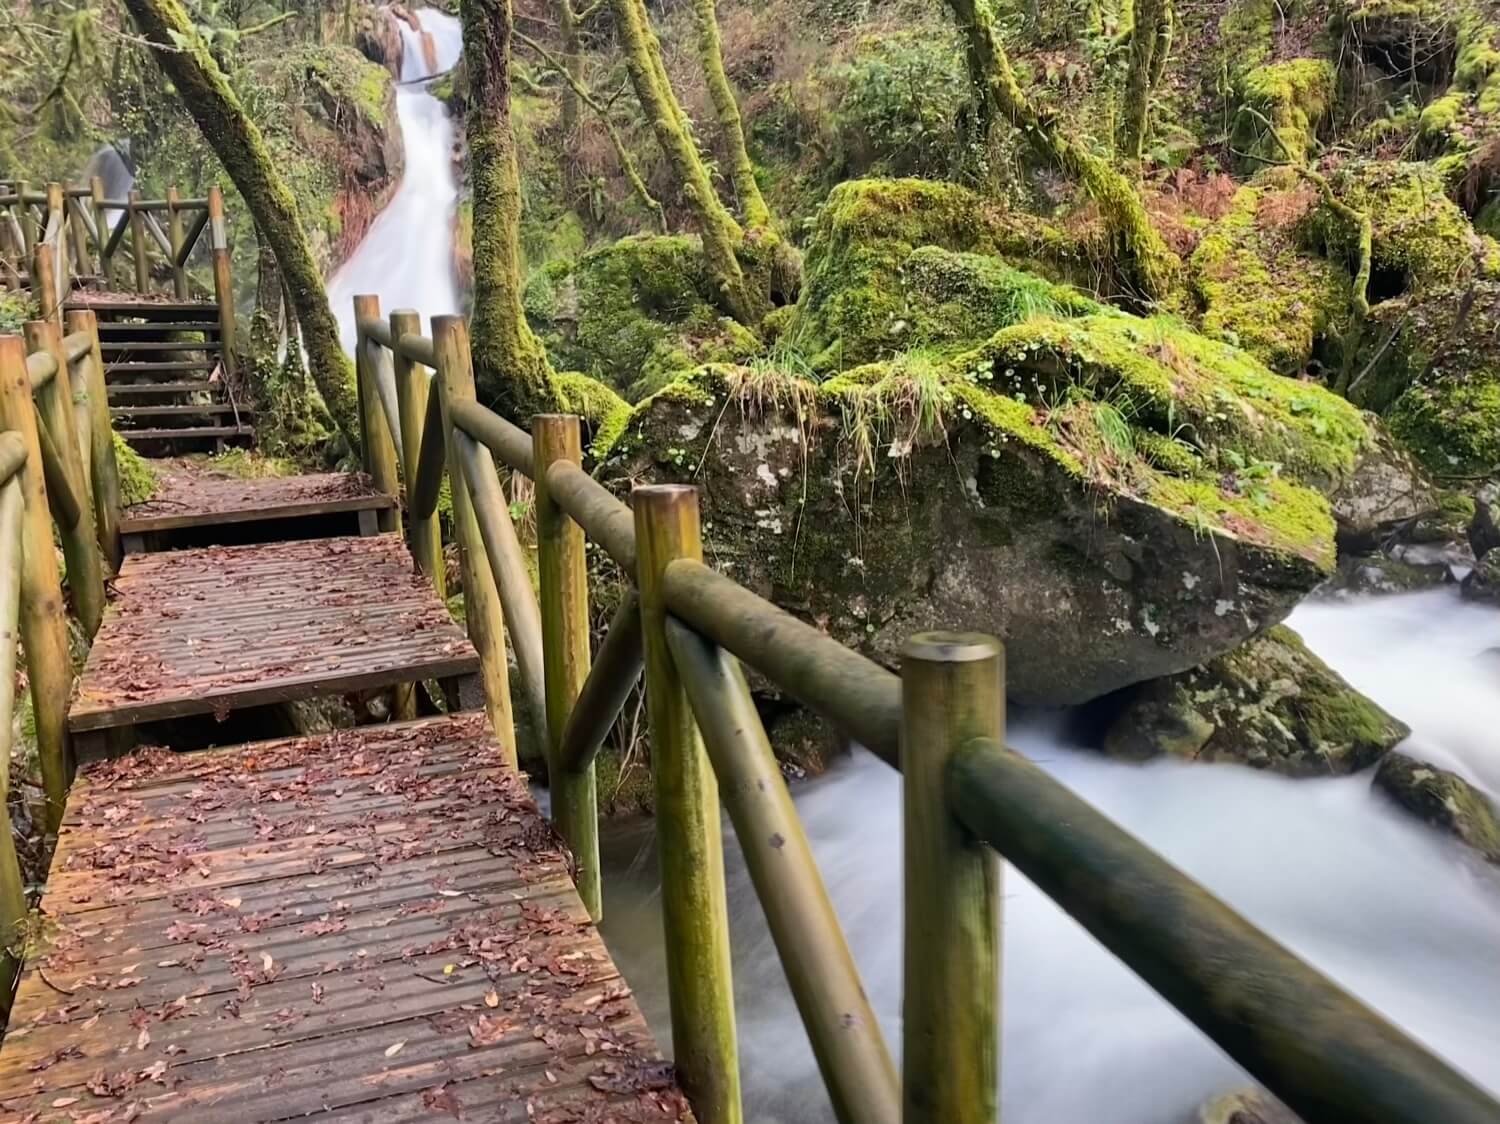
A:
{"points": [[1389, 908], [407, 255]]}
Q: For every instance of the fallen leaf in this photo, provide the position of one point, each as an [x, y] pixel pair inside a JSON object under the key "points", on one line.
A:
{"points": [[393, 1050], [491, 999]]}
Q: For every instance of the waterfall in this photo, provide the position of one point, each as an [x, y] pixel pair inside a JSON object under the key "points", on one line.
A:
{"points": [[407, 255]]}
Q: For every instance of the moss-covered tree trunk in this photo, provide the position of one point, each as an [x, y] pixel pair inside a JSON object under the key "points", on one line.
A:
{"points": [[721, 234], [507, 356], [572, 61], [1143, 259], [727, 110], [237, 142], [1150, 43]]}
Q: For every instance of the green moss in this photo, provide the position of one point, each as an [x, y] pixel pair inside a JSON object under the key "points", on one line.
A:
{"points": [[1451, 424], [1293, 98], [15, 310], [138, 482], [250, 464], [852, 306], [1259, 290], [624, 783], [604, 411]]}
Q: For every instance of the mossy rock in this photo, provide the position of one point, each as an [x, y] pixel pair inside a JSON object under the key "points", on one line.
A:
{"points": [[1270, 704], [138, 482], [1483, 582], [633, 313], [1259, 287], [604, 412], [1283, 104], [853, 306], [1048, 511], [1444, 800], [1247, 1106]]}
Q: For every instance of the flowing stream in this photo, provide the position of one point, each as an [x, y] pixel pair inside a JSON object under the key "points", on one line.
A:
{"points": [[1389, 908], [407, 255], [1386, 906]]}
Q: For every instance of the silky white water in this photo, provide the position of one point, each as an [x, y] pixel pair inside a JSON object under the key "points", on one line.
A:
{"points": [[1386, 906], [406, 257]]}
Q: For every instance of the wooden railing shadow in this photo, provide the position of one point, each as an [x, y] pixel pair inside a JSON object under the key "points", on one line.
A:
{"points": [[968, 799], [57, 470]]}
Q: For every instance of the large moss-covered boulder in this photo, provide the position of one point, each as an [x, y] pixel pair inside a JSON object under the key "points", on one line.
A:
{"points": [[1270, 704], [1119, 498], [1259, 285], [855, 305], [635, 313], [1282, 106], [1443, 799]]}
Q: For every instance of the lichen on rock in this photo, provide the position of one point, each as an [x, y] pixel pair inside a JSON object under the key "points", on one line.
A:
{"points": [[1270, 704]]}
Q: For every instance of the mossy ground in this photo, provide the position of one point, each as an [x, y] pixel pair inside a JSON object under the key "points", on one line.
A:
{"points": [[138, 481]]}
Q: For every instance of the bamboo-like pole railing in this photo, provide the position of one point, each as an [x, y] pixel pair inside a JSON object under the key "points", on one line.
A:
{"points": [[941, 722]]}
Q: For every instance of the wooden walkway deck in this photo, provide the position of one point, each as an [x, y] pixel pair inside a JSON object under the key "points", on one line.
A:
{"points": [[223, 628], [374, 926], [192, 496]]}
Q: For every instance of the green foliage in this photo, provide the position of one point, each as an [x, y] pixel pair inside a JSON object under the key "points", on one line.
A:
{"points": [[904, 96], [15, 310], [1293, 99], [138, 481]]}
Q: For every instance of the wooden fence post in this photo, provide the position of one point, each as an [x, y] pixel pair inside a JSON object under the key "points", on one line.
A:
{"points": [[174, 241], [12, 887], [28, 224], [952, 691], [104, 467], [379, 447], [138, 242], [564, 580], [101, 230], [44, 629], [688, 839], [218, 233], [482, 615], [54, 406], [78, 235], [424, 534]]}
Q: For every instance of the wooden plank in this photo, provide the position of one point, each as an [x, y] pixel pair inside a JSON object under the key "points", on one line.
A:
{"points": [[139, 304], [212, 630], [189, 431], [190, 409], [425, 984], [152, 367], [134, 327], [199, 386], [127, 346], [189, 495]]}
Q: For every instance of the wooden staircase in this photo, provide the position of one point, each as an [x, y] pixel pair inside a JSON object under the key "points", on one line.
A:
{"points": [[163, 363]]}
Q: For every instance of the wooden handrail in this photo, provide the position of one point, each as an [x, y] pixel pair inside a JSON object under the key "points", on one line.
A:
{"points": [[687, 623], [12, 455]]}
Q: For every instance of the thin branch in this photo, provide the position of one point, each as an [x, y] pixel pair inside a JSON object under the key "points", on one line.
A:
{"points": [[585, 95]]}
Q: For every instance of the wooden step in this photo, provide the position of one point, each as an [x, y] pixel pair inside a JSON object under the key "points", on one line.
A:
{"points": [[187, 410], [159, 345], [201, 386], [172, 367], [143, 309], [171, 434], [124, 327]]}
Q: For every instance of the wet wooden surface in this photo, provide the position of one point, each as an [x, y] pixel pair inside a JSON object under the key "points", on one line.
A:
{"points": [[374, 925], [193, 495], [221, 628]]}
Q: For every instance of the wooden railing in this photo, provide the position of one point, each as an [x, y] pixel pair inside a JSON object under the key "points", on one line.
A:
{"points": [[54, 239], [57, 469], [968, 799]]}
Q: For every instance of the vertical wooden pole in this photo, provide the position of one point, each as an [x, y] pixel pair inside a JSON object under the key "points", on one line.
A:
{"points": [[563, 576], [380, 449], [687, 826], [101, 230], [78, 235], [54, 406], [102, 463], [12, 887], [44, 629], [138, 243], [952, 691], [44, 283], [424, 535], [174, 240], [28, 224], [218, 233], [455, 379], [57, 205]]}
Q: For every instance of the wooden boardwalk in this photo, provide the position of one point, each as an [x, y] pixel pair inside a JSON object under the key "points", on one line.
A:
{"points": [[223, 628], [192, 496], [375, 925]]}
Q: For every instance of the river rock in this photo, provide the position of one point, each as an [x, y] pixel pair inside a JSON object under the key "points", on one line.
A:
{"points": [[1443, 799], [1246, 1106], [378, 37], [1483, 581], [1270, 704], [1484, 529]]}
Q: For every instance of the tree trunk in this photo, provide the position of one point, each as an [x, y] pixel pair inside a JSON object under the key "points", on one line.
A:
{"points": [[727, 109], [1150, 42], [722, 236], [509, 361], [238, 143], [1143, 258], [572, 63]]}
